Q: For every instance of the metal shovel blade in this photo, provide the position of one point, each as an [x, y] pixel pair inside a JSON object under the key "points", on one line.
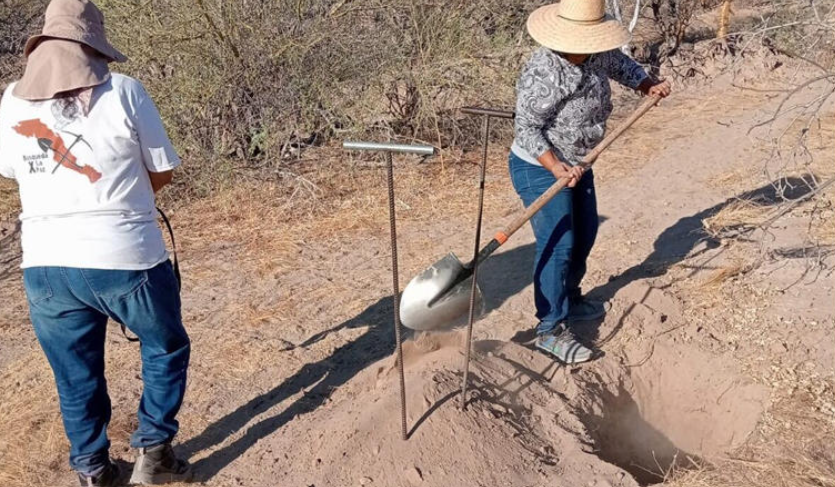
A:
{"points": [[429, 303]]}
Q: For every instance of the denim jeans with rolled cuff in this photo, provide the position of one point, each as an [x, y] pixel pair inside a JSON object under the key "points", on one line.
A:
{"points": [[69, 308], [565, 230]]}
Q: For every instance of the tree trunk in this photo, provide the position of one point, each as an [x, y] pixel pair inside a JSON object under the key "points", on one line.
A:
{"points": [[614, 7], [635, 14], [724, 19]]}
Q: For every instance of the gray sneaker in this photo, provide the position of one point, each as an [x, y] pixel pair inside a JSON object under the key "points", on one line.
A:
{"points": [[563, 345], [587, 310], [158, 465]]}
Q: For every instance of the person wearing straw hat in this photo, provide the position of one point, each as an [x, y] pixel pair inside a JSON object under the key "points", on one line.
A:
{"points": [[563, 103], [88, 150]]}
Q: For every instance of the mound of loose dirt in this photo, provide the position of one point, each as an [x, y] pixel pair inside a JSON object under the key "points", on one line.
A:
{"points": [[529, 421], [517, 430]]}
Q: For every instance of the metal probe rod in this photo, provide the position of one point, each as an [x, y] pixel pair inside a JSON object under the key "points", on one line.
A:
{"points": [[474, 290], [424, 150], [487, 113], [396, 297]]}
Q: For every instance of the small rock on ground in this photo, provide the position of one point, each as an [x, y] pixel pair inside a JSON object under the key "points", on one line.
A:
{"points": [[414, 475]]}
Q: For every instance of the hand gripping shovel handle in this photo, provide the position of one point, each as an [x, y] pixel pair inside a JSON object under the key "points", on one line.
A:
{"points": [[587, 162]]}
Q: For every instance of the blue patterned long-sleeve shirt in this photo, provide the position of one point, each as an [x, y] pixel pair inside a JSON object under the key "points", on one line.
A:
{"points": [[563, 107]]}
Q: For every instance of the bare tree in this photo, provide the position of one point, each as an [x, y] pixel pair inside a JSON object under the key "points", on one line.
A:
{"points": [[724, 19], [635, 14], [614, 7], [672, 17]]}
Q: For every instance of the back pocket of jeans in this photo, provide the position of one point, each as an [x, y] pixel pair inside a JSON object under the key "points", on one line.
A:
{"points": [[36, 284], [115, 284]]}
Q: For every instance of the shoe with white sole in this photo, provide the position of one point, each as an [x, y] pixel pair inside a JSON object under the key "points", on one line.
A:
{"points": [[563, 345]]}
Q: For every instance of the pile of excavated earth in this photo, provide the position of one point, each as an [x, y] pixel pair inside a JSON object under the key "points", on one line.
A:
{"points": [[528, 420]]}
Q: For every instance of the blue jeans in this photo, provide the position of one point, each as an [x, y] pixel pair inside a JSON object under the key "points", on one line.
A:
{"points": [[69, 309], [565, 230]]}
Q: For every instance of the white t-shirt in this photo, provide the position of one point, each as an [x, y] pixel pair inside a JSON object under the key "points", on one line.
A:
{"points": [[85, 192]]}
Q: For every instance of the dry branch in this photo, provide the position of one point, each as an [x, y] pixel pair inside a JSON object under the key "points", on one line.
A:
{"points": [[724, 19]]}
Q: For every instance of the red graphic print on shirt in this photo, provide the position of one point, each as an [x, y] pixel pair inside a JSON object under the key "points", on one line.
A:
{"points": [[49, 140]]}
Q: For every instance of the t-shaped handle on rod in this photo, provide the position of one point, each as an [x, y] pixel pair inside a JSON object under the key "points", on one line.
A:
{"points": [[490, 112], [421, 150]]}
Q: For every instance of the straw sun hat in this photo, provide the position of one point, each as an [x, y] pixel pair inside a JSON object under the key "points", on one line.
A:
{"points": [[577, 27]]}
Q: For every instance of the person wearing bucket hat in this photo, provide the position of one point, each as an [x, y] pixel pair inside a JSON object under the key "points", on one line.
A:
{"points": [[563, 102], [88, 150]]}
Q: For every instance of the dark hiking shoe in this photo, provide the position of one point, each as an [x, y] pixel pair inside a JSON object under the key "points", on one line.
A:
{"points": [[563, 345], [109, 476], [158, 465], [586, 310]]}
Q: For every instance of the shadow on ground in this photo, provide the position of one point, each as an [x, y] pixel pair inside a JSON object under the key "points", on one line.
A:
{"points": [[504, 275], [316, 381], [677, 243]]}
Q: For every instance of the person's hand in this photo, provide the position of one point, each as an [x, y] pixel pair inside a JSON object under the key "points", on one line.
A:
{"points": [[661, 89], [562, 170]]}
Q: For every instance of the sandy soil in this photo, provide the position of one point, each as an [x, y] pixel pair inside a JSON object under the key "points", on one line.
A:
{"points": [[711, 365]]}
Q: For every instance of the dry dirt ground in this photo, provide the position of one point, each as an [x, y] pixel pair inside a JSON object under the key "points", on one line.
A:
{"points": [[718, 352]]}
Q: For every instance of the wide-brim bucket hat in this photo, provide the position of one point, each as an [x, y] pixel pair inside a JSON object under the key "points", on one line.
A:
{"points": [[577, 27], [79, 21]]}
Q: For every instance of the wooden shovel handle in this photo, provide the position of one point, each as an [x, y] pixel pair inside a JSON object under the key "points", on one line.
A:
{"points": [[587, 162], [615, 134]]}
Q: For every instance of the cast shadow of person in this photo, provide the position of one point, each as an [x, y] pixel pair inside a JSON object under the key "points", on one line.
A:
{"points": [[316, 381], [678, 242]]}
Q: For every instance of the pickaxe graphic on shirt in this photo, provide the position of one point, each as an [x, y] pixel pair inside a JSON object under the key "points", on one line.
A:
{"points": [[78, 138], [49, 140]]}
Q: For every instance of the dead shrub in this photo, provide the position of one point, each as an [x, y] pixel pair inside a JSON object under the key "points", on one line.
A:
{"points": [[18, 20], [672, 17]]}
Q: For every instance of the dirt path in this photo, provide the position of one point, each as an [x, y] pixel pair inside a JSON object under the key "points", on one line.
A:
{"points": [[292, 381]]}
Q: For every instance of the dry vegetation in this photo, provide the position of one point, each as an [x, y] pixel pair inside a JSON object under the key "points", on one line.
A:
{"points": [[792, 445], [247, 87], [244, 88]]}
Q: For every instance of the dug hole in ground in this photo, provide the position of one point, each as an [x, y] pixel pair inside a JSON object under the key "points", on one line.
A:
{"points": [[716, 371]]}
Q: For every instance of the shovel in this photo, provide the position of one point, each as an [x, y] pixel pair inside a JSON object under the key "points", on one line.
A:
{"points": [[439, 297]]}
